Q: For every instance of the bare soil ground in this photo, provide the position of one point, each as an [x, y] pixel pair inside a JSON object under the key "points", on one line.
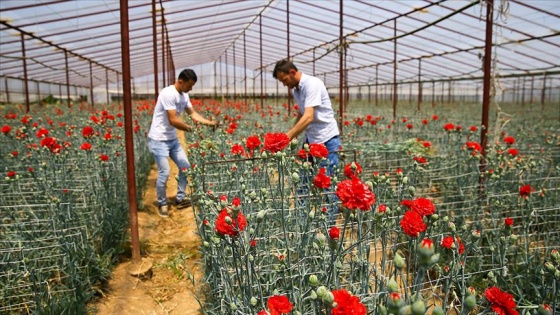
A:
{"points": [[172, 244]]}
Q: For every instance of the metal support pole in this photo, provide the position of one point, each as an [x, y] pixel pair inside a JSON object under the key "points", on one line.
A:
{"points": [[288, 52], [67, 78], [26, 84], [532, 89], [341, 65], [261, 58], [107, 84], [215, 81], [154, 50], [133, 210], [163, 72], [245, 70], [227, 77], [419, 83], [543, 93], [395, 100], [523, 91], [7, 90], [486, 90], [234, 79], [433, 94], [91, 82], [376, 84]]}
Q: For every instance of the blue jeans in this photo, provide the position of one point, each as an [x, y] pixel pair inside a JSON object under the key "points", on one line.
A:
{"points": [[331, 165], [162, 151]]}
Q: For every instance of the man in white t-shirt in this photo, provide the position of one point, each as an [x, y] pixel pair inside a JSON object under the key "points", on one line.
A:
{"points": [[316, 118], [163, 141]]}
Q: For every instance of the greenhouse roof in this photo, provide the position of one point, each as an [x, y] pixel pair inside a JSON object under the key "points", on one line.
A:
{"points": [[439, 40]]}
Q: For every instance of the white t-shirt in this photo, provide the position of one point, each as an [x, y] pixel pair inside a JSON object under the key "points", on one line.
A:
{"points": [[313, 93], [169, 98]]}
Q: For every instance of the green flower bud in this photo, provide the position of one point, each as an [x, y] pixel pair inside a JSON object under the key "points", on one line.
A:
{"points": [[392, 286], [513, 238], [555, 254], [313, 280], [469, 302], [206, 244], [452, 226], [418, 307], [434, 259], [399, 261], [548, 265], [437, 311], [382, 309], [544, 309], [328, 298], [232, 306], [412, 190], [407, 310], [295, 177], [321, 291], [313, 295], [253, 301]]}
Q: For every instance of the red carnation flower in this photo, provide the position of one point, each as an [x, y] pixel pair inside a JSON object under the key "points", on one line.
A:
{"points": [[6, 129], [318, 150], [42, 133], [88, 132], [449, 243], [350, 172], [508, 222], [423, 206], [233, 228], [509, 140], [512, 152], [252, 143], [279, 304], [355, 195], [412, 223], [473, 128], [449, 127], [502, 302], [274, 142], [11, 174], [334, 233], [86, 146], [237, 149], [474, 146], [347, 304], [302, 154], [526, 190], [322, 180], [104, 158]]}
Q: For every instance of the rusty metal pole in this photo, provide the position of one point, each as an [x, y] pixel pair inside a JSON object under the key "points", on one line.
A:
{"points": [[419, 83], [376, 84], [288, 52], [395, 100], [67, 78], [133, 210], [433, 94], [227, 77], [234, 80], [532, 87], [154, 48], [245, 70], [7, 90], [543, 93], [523, 91], [26, 84], [91, 83], [341, 66], [163, 73], [261, 58], [486, 90], [107, 84]]}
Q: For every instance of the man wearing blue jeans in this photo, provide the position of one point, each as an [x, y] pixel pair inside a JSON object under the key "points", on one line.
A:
{"points": [[163, 141], [315, 114]]}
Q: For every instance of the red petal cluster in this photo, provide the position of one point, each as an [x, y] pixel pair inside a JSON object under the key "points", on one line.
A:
{"points": [[237, 224], [318, 150], [274, 142], [347, 304], [412, 223], [322, 180], [279, 304], [502, 302], [355, 195], [252, 143], [351, 172]]}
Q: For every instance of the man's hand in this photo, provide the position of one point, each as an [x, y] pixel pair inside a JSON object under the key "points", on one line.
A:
{"points": [[215, 126]]}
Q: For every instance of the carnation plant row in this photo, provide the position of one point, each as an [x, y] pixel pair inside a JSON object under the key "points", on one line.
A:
{"points": [[425, 222], [63, 205], [421, 225]]}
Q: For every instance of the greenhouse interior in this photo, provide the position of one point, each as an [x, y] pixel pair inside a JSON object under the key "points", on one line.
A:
{"points": [[441, 195]]}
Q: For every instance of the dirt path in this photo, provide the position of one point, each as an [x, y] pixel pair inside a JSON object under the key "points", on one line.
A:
{"points": [[172, 244]]}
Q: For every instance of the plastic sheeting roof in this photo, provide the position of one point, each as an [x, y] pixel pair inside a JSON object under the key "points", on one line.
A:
{"points": [[447, 35]]}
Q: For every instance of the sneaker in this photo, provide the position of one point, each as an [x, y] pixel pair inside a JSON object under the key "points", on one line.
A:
{"points": [[163, 211], [185, 203]]}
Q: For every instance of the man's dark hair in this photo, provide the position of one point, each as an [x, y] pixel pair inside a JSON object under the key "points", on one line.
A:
{"points": [[187, 74], [284, 66]]}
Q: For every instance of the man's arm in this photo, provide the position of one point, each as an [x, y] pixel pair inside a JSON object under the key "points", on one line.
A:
{"points": [[198, 118], [176, 121], [302, 123]]}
